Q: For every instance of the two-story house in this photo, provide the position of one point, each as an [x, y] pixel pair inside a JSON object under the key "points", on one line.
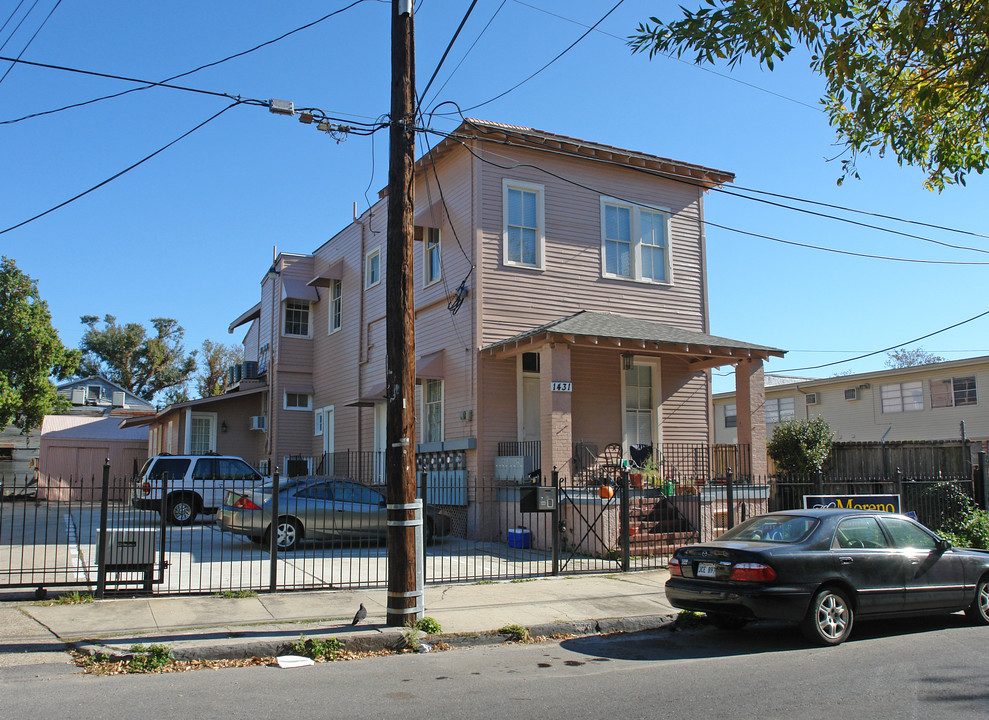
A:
{"points": [[560, 307]]}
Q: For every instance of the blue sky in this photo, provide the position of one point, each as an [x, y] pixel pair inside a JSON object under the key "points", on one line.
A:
{"points": [[189, 233]]}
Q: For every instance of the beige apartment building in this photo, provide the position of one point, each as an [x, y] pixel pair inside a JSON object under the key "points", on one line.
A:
{"points": [[560, 303]]}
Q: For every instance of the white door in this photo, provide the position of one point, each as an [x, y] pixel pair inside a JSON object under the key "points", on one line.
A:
{"points": [[531, 426], [640, 422], [328, 440]]}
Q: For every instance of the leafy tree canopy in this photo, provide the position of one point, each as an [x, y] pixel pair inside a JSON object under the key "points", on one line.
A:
{"points": [[216, 358], [30, 352], [903, 358], [800, 447], [905, 76], [127, 355]]}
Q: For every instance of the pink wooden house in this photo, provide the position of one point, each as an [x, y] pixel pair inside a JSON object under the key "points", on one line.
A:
{"points": [[561, 308]]}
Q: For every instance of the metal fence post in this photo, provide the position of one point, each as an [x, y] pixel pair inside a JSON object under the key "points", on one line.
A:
{"points": [[101, 536], [273, 536], [555, 521], [730, 496], [625, 514], [981, 491]]}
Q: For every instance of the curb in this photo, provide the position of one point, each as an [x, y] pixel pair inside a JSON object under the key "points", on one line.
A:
{"points": [[388, 640]]}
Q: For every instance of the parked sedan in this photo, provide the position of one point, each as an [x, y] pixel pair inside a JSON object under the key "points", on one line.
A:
{"points": [[825, 568], [316, 510]]}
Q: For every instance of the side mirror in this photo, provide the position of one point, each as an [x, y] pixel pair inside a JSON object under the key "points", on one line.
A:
{"points": [[943, 544]]}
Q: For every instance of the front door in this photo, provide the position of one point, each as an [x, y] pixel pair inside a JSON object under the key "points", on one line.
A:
{"points": [[641, 405]]}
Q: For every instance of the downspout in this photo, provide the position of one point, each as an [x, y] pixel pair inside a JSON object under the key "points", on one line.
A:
{"points": [[362, 346]]}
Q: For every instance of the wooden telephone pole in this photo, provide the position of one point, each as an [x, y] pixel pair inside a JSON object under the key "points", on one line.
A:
{"points": [[404, 592]]}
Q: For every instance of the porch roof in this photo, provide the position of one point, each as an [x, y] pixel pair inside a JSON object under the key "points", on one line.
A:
{"points": [[216, 399], [618, 332]]}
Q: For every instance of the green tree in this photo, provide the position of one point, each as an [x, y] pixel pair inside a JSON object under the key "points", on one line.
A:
{"points": [[800, 447], [127, 355], [905, 76], [903, 358], [215, 359], [30, 352]]}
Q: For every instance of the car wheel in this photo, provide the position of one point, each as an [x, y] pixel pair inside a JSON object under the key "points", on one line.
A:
{"points": [[288, 534], [978, 611], [727, 622], [182, 509], [829, 617]]}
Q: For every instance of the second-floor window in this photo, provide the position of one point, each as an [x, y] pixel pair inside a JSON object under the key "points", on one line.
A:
{"points": [[779, 410], [432, 405], [431, 256], [297, 318], [523, 219], [953, 392], [634, 242], [335, 306], [298, 401], [372, 268], [902, 397], [731, 416]]}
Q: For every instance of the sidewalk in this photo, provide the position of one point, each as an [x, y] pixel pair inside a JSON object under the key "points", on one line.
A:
{"points": [[215, 627]]}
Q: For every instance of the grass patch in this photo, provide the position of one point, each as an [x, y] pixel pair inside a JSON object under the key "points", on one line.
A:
{"points": [[150, 658], [73, 598], [484, 582], [323, 650], [236, 594], [522, 580], [517, 633]]}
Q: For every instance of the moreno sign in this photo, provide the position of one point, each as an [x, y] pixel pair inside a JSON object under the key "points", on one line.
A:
{"points": [[886, 503]]}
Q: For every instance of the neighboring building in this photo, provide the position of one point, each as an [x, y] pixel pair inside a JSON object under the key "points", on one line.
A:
{"points": [[560, 303], [924, 402], [98, 406]]}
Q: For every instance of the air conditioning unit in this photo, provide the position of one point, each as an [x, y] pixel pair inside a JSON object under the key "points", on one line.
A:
{"points": [[259, 422], [118, 398], [812, 398], [250, 370], [78, 396], [851, 394]]}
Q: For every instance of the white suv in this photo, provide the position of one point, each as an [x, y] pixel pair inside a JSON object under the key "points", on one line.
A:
{"points": [[194, 484]]}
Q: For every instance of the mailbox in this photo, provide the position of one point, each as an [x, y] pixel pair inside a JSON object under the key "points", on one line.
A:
{"points": [[536, 498]]}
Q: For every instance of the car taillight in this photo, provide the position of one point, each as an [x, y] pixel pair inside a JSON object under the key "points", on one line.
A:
{"points": [[752, 572], [245, 503], [675, 567], [146, 487]]}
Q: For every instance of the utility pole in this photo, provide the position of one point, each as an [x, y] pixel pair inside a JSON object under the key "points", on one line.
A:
{"points": [[404, 592]]}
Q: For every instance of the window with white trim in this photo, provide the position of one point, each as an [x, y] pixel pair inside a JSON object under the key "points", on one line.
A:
{"points": [[731, 416], [431, 267], [524, 232], [779, 410], [372, 268], [298, 401], [953, 392], [635, 242], [335, 305], [432, 405], [297, 318], [902, 397]]}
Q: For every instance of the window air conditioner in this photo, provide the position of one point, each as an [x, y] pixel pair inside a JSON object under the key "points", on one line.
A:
{"points": [[259, 422], [851, 394], [812, 398]]}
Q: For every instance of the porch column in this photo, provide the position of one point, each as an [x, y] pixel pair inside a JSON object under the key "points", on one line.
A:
{"points": [[750, 408], [556, 426]]}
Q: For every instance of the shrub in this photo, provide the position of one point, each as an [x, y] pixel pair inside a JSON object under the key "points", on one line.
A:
{"points": [[969, 529], [428, 625], [317, 649], [800, 447], [150, 658]]}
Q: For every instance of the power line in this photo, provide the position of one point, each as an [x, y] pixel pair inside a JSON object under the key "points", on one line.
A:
{"points": [[28, 44], [20, 22], [124, 171], [7, 22], [150, 83], [449, 46], [891, 347], [568, 49], [188, 72], [706, 222]]}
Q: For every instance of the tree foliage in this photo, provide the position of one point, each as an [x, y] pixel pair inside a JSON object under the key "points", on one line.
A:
{"points": [[128, 356], [800, 447], [215, 359], [30, 352], [906, 76], [903, 358]]}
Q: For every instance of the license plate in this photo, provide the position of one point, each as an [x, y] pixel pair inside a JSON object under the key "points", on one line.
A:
{"points": [[706, 570]]}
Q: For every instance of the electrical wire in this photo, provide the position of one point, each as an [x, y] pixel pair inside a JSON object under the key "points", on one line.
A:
{"points": [[7, 22], [28, 44], [449, 46], [887, 349], [188, 72], [150, 83], [125, 170], [706, 222], [564, 52], [19, 23]]}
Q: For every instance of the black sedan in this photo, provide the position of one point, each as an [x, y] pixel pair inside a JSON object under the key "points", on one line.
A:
{"points": [[824, 568]]}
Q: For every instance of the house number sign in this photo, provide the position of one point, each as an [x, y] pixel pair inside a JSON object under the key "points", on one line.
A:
{"points": [[561, 387]]}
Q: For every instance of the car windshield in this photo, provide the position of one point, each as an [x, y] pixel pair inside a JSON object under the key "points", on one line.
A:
{"points": [[773, 528]]}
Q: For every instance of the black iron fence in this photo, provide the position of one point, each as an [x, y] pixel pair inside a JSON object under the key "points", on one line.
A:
{"points": [[107, 534]]}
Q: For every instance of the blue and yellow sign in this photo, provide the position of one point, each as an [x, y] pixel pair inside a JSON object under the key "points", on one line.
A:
{"points": [[885, 503]]}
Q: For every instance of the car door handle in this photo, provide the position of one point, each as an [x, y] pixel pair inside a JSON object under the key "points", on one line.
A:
{"points": [[845, 560]]}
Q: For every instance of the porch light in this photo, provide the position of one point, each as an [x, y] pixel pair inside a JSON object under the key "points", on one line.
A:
{"points": [[628, 360], [223, 426]]}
